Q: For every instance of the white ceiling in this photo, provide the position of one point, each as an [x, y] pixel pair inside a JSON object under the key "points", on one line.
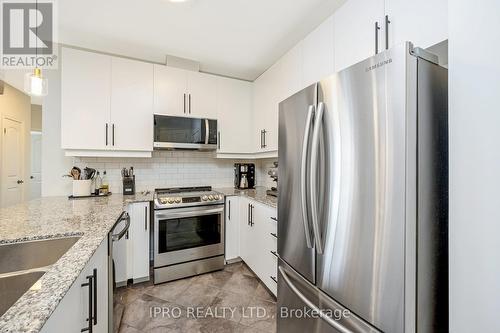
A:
{"points": [[237, 38]]}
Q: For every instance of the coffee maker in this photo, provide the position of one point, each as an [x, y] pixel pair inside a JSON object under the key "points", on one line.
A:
{"points": [[244, 175]]}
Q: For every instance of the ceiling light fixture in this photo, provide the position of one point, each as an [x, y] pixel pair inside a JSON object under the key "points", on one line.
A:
{"points": [[34, 83]]}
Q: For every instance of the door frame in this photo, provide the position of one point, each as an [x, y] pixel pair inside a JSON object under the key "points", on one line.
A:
{"points": [[23, 159]]}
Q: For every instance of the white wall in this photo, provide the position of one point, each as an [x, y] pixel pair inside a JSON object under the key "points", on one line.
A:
{"points": [[171, 169], [54, 163], [474, 73]]}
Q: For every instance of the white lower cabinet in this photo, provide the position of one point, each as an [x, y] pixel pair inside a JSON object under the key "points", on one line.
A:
{"points": [[138, 242], [131, 253], [72, 313], [232, 227], [258, 240], [248, 234]]}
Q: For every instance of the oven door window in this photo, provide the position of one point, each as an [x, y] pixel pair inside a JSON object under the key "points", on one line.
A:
{"points": [[188, 232]]}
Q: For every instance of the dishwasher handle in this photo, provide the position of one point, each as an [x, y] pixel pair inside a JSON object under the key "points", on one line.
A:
{"points": [[123, 217]]}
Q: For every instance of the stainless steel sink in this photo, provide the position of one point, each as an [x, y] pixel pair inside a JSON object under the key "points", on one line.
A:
{"points": [[23, 264]]}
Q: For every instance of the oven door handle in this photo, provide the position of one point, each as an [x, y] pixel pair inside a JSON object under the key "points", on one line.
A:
{"points": [[170, 215]]}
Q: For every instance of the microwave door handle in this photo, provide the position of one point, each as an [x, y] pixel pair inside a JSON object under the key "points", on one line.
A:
{"points": [[303, 176], [318, 121], [207, 127]]}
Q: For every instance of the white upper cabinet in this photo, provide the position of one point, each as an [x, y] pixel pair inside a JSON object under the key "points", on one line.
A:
{"points": [[265, 113], [85, 100], [234, 114], [106, 105], [170, 91], [354, 31], [202, 95], [131, 105], [179, 92], [318, 53], [424, 23]]}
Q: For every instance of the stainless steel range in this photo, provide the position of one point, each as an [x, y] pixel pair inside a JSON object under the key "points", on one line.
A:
{"points": [[188, 232]]}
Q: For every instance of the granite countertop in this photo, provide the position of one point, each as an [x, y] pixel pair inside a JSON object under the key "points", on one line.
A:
{"points": [[258, 194], [55, 217]]}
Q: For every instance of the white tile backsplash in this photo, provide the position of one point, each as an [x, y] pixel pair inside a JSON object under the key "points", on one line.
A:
{"points": [[173, 168]]}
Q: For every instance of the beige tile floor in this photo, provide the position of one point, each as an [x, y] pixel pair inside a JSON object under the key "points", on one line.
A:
{"points": [[231, 300]]}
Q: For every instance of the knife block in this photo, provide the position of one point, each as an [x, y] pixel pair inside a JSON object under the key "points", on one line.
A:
{"points": [[129, 185]]}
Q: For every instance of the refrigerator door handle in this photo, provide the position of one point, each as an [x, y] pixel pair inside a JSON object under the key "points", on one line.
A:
{"points": [[313, 176], [311, 305], [303, 175]]}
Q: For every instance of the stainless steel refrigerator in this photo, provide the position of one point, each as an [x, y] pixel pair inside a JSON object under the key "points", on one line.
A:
{"points": [[363, 199]]}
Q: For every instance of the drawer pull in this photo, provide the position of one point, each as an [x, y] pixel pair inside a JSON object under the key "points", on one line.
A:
{"points": [[274, 253], [274, 219], [274, 279], [274, 235]]}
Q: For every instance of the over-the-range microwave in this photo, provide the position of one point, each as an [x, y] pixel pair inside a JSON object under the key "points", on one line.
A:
{"points": [[172, 132]]}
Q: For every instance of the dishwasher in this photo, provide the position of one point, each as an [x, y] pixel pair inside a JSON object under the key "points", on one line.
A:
{"points": [[118, 231]]}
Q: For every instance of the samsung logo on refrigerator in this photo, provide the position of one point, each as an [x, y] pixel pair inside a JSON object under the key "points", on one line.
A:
{"points": [[377, 65]]}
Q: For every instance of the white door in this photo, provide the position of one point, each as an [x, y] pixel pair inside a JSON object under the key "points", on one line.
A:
{"points": [[12, 163], [139, 240], [354, 31], [131, 105], [202, 98], [266, 99], [121, 255], [36, 165], [232, 228], [424, 23], [234, 116], [85, 100], [170, 91], [245, 232]]}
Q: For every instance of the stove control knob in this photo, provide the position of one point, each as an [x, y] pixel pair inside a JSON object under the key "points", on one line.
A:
{"points": [[178, 200], [163, 201], [204, 198], [210, 197], [217, 197], [170, 200]]}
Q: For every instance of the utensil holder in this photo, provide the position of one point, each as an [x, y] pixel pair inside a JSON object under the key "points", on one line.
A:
{"points": [[82, 187]]}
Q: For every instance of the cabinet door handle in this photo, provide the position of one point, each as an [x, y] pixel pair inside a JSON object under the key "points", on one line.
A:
{"points": [[387, 21], [94, 280], [264, 131], [251, 215], [218, 140], [106, 134], [377, 28], [146, 218], [274, 253], [189, 96], [274, 279], [248, 220], [229, 209], [113, 134], [261, 139], [274, 235], [90, 304], [274, 219], [184, 101]]}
